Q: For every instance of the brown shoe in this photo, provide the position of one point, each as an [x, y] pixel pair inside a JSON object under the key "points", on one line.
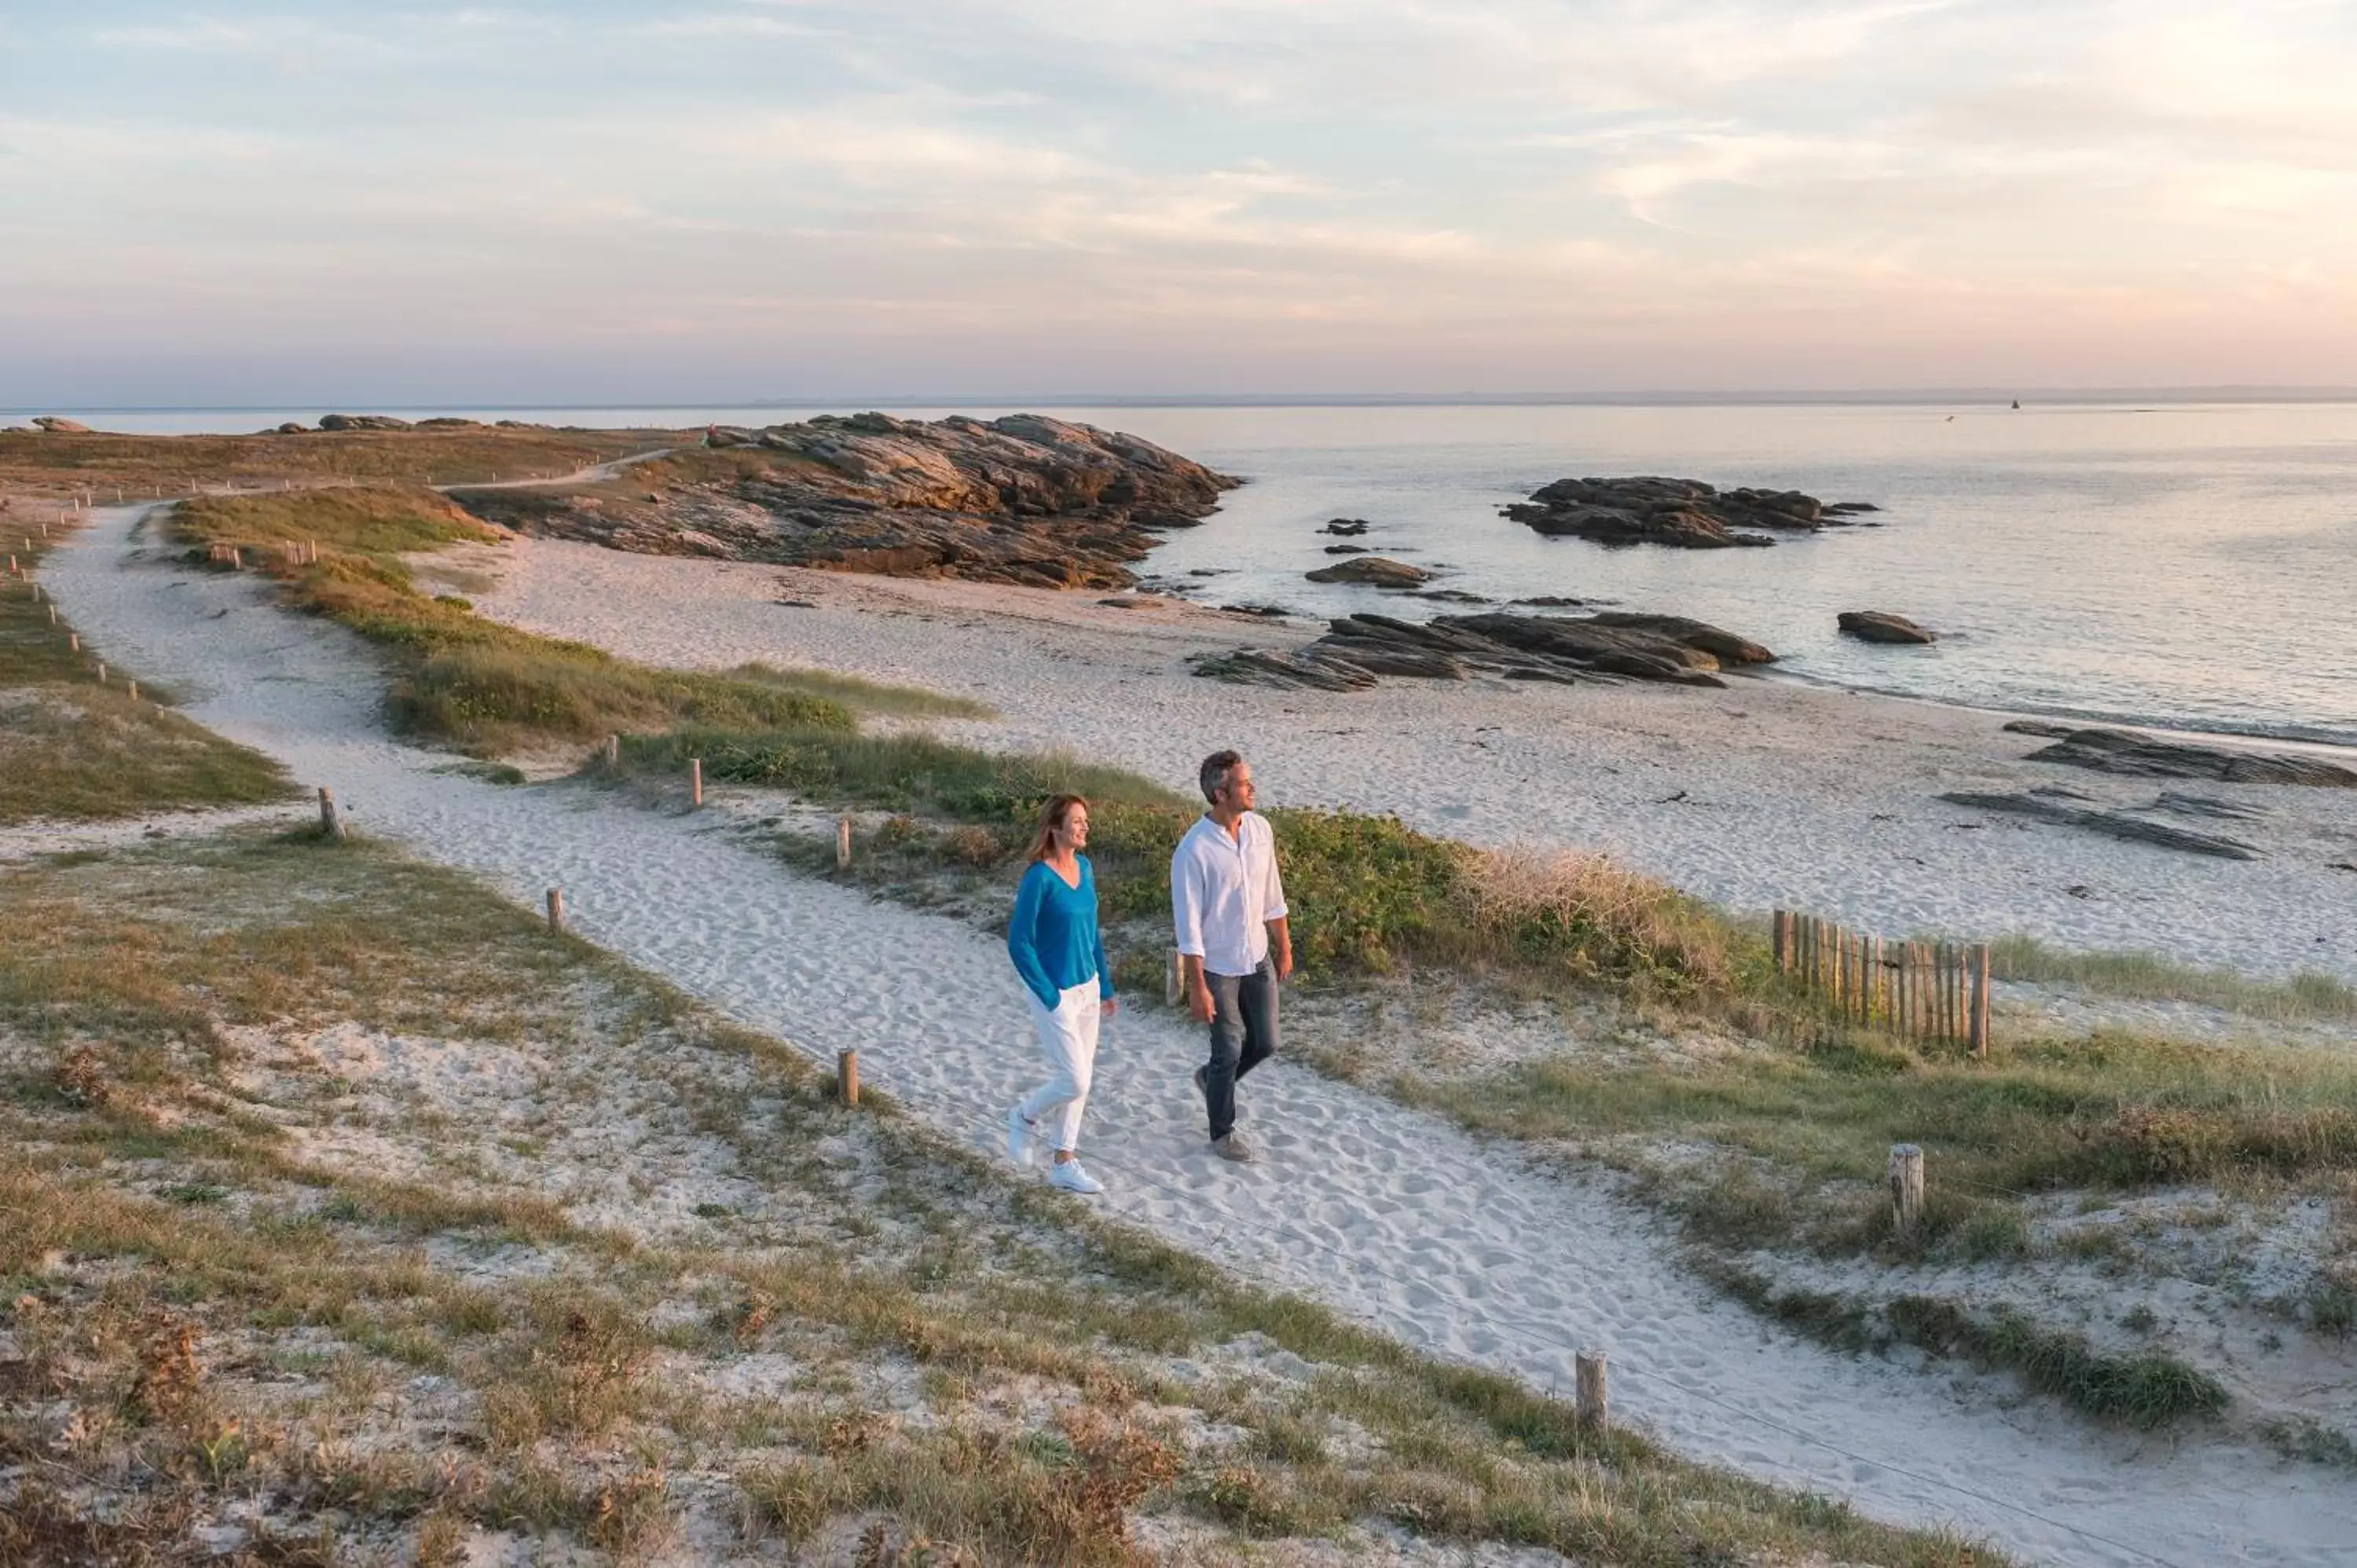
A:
{"points": [[1233, 1147]]}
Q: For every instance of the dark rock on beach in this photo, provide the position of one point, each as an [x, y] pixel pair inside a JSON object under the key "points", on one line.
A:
{"points": [[2143, 756], [1347, 550], [1375, 571], [1520, 648], [1346, 527], [1686, 514], [1024, 499], [1881, 625], [2062, 808]]}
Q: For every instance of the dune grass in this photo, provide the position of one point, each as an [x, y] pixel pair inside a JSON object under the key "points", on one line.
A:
{"points": [[877, 697], [463, 679], [207, 1302], [74, 750], [2304, 998]]}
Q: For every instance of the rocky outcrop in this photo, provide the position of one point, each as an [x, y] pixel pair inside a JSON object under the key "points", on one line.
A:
{"points": [[1020, 500], [1565, 649], [2067, 808], [1685, 514], [364, 422], [2143, 756], [1374, 571], [1346, 527], [57, 425], [1881, 625]]}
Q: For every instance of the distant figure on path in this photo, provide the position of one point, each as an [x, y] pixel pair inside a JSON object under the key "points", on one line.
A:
{"points": [[1235, 946], [1058, 952]]}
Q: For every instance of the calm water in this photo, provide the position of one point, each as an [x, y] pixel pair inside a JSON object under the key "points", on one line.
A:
{"points": [[2192, 565]]}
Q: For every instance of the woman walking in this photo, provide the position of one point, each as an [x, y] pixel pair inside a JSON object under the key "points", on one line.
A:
{"points": [[1054, 941]]}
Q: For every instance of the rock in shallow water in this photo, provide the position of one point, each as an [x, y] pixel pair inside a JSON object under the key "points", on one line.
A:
{"points": [[1881, 625], [1375, 571], [1521, 647], [1685, 514], [2142, 756]]}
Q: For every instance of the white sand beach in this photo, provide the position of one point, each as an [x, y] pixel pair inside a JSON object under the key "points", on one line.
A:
{"points": [[1771, 793], [1465, 1248]]}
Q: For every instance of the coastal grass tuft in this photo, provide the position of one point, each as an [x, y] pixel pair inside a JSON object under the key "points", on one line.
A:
{"points": [[2304, 998], [878, 697], [74, 750]]}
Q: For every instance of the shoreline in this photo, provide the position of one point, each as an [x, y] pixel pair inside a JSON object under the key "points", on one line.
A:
{"points": [[1771, 793]]}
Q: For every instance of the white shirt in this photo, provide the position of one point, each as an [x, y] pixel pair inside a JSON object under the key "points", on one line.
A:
{"points": [[1223, 893]]}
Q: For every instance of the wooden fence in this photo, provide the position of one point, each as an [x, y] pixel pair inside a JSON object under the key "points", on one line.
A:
{"points": [[1932, 991]]}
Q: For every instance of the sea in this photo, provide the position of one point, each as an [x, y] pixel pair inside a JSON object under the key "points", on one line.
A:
{"points": [[2185, 565]]}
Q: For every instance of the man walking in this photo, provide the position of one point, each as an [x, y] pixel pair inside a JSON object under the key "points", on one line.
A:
{"points": [[1228, 906]]}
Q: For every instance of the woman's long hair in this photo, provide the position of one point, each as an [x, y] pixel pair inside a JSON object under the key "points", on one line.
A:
{"points": [[1051, 817]]}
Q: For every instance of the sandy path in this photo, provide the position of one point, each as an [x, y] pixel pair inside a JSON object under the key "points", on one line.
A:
{"points": [[1453, 1245], [1771, 793]]}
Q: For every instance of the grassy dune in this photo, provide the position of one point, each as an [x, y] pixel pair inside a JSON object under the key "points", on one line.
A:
{"points": [[74, 750], [257, 1258]]}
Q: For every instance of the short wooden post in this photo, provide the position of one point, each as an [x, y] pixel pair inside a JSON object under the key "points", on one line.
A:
{"points": [[556, 910], [1595, 1405], [73, 642], [1977, 998], [53, 615], [847, 1076], [613, 751], [101, 672], [1906, 1187], [843, 844], [331, 820], [131, 689], [1781, 937], [695, 781]]}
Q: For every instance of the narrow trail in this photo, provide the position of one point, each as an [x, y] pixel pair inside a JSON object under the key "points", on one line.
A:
{"points": [[1463, 1248]]}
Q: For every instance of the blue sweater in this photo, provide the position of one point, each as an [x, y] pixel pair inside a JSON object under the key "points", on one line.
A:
{"points": [[1053, 937]]}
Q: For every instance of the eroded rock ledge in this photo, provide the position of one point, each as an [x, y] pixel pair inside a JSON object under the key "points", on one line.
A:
{"points": [[1686, 514], [1019, 499], [1603, 647]]}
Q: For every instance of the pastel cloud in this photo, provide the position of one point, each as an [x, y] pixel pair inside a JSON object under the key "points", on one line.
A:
{"points": [[834, 197]]}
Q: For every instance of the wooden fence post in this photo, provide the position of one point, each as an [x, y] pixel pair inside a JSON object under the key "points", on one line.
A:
{"points": [[695, 781], [101, 672], [1978, 999], [1781, 940], [73, 642], [131, 689], [556, 909], [1906, 1187], [1594, 1405], [613, 751], [843, 844], [847, 1076], [331, 820]]}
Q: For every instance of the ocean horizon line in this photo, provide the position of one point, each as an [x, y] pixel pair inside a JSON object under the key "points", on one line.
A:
{"points": [[1667, 397]]}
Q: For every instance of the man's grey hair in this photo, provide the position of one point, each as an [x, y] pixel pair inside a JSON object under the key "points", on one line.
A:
{"points": [[1214, 773]]}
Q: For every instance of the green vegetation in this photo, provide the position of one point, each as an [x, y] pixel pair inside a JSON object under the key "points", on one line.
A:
{"points": [[74, 750], [2304, 998], [2148, 1390], [462, 679], [231, 1264]]}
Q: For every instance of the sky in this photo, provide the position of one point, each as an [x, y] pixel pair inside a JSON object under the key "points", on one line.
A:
{"points": [[769, 199]]}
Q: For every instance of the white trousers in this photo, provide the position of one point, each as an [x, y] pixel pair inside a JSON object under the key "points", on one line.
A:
{"points": [[1068, 1038]]}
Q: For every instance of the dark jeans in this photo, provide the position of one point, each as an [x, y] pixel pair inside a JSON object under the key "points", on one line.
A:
{"points": [[1243, 1036]]}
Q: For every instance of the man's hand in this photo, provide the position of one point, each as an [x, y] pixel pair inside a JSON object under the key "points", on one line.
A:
{"points": [[1284, 956], [1199, 1003], [1109, 1005]]}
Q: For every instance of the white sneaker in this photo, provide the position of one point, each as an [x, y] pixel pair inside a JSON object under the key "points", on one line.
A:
{"points": [[1067, 1175], [1020, 1131]]}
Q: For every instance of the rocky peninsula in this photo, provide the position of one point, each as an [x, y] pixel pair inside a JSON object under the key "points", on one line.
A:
{"points": [[1023, 499], [1686, 514], [1565, 650]]}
